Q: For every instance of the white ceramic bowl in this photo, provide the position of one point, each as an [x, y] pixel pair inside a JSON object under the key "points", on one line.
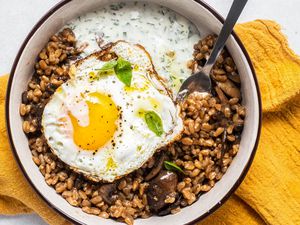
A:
{"points": [[207, 21]]}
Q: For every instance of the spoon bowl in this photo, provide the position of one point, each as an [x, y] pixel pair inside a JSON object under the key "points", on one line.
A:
{"points": [[201, 81]]}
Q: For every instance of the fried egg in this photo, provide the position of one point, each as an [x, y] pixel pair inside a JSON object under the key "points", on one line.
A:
{"points": [[98, 125]]}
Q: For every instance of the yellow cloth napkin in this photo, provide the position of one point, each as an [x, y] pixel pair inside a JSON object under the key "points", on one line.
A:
{"points": [[270, 194]]}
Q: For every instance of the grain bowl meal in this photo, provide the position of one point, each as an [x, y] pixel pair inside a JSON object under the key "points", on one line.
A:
{"points": [[102, 122]]}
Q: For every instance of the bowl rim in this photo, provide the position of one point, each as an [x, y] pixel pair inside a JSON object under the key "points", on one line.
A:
{"points": [[65, 215]]}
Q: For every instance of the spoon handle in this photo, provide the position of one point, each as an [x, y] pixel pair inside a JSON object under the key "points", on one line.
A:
{"points": [[233, 15]]}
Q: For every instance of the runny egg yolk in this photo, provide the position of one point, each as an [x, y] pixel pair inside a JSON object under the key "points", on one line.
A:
{"points": [[102, 123]]}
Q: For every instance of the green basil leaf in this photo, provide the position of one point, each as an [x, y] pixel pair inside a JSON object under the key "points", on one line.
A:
{"points": [[172, 166], [154, 122], [108, 66], [123, 71]]}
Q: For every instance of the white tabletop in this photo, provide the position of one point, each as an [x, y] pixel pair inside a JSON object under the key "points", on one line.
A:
{"points": [[18, 17]]}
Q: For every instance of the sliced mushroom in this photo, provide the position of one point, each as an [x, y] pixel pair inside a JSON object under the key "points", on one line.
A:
{"points": [[224, 148], [159, 188], [24, 98], [238, 128], [157, 166], [221, 95], [108, 192], [234, 77], [37, 111], [229, 88], [168, 209]]}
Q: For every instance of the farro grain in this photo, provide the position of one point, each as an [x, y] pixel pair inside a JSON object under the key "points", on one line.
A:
{"points": [[198, 152]]}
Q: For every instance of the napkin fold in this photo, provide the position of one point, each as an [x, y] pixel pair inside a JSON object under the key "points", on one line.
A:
{"points": [[270, 193]]}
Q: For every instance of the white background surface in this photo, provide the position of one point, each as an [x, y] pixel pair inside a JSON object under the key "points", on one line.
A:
{"points": [[17, 17]]}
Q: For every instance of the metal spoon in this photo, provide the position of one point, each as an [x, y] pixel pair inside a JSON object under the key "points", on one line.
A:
{"points": [[201, 80]]}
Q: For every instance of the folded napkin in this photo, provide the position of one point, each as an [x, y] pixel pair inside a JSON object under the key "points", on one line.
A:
{"points": [[270, 193]]}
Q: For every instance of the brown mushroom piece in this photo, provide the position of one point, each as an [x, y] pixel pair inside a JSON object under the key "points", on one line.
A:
{"points": [[157, 166], [167, 210], [221, 95], [108, 192], [159, 188], [224, 148], [235, 78], [37, 111], [229, 88]]}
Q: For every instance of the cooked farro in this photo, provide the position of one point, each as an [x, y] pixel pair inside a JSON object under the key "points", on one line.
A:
{"points": [[211, 136]]}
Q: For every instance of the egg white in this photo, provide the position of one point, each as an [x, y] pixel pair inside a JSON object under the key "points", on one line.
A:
{"points": [[134, 142]]}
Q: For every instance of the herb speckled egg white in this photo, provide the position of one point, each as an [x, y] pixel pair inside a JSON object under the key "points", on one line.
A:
{"points": [[105, 127]]}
